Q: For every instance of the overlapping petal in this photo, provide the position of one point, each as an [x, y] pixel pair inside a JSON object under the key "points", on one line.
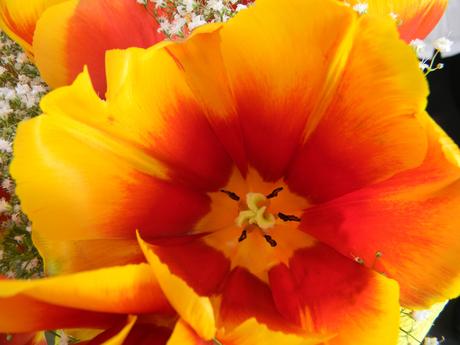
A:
{"points": [[415, 18], [79, 32], [135, 182], [407, 219], [19, 21], [363, 138], [338, 296], [338, 127], [100, 299]]}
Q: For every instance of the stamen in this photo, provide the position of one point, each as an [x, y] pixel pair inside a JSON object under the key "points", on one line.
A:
{"points": [[288, 217], [243, 236], [270, 240], [231, 195], [274, 193]]}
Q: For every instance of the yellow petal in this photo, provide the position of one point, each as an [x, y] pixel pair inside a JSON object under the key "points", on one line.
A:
{"points": [[124, 289], [18, 20], [194, 309]]}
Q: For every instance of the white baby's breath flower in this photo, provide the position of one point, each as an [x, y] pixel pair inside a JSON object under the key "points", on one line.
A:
{"points": [[197, 20], [421, 315], [5, 146], [189, 4], [394, 16], [23, 89], [240, 7], [216, 5], [431, 341], [7, 185], [4, 206], [19, 238], [177, 25], [443, 44], [21, 58], [418, 45], [361, 7], [5, 109], [7, 93]]}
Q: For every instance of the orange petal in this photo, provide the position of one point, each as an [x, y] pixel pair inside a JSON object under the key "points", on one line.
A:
{"points": [[249, 332], [415, 18], [26, 314], [196, 310], [79, 32], [244, 296], [100, 183], [369, 131], [334, 295], [123, 289], [183, 334], [419, 17], [257, 103], [19, 21], [408, 219]]}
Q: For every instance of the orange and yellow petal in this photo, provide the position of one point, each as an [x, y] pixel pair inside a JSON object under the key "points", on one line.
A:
{"points": [[163, 115], [122, 289], [244, 296], [26, 314], [65, 256], [99, 183], [325, 291], [79, 32], [249, 332], [415, 18], [258, 104], [19, 21], [419, 17], [196, 310], [405, 226], [369, 131]]}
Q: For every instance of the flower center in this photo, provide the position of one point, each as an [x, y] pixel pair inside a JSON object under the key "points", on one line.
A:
{"points": [[256, 212]]}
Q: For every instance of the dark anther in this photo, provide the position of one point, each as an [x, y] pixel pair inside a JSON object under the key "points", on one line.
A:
{"points": [[288, 218], [270, 240], [274, 193], [232, 195], [243, 236]]}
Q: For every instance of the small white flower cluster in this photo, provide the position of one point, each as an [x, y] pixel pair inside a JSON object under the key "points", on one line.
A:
{"points": [[361, 7], [432, 341], [441, 45], [20, 92], [177, 18]]}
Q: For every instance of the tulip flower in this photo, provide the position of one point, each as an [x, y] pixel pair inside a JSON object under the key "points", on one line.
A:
{"points": [[278, 167], [74, 33]]}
